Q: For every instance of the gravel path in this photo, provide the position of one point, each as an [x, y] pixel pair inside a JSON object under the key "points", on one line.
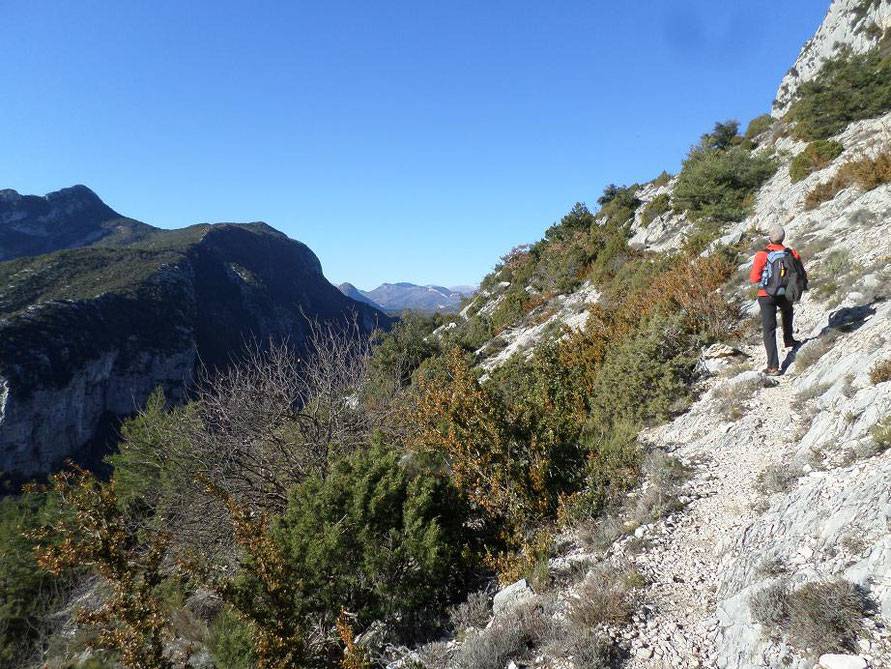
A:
{"points": [[682, 560]]}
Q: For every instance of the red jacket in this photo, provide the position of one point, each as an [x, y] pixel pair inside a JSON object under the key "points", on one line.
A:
{"points": [[761, 261]]}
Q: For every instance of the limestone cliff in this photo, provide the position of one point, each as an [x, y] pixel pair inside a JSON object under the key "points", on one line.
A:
{"points": [[853, 25]]}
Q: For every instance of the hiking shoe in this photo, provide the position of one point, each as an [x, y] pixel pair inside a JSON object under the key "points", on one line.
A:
{"points": [[792, 344], [771, 371]]}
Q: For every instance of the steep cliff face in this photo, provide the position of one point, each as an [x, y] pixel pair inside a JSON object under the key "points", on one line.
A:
{"points": [[69, 218], [854, 25], [87, 334]]}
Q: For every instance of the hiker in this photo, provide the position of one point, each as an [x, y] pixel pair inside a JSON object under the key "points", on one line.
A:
{"points": [[781, 277]]}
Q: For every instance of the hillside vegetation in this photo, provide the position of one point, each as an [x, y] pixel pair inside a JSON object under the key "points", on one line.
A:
{"points": [[355, 503], [393, 509]]}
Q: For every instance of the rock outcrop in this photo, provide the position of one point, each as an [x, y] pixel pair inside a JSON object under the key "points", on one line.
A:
{"points": [[855, 25]]}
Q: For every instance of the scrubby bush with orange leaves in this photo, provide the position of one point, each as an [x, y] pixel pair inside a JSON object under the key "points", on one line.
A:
{"points": [[99, 536], [556, 435]]}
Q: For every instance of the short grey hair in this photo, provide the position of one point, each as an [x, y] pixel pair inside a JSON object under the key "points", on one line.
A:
{"points": [[776, 234]]}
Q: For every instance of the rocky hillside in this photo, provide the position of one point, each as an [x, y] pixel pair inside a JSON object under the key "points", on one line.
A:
{"points": [[774, 546], [584, 468], [853, 26], [69, 218], [86, 334]]}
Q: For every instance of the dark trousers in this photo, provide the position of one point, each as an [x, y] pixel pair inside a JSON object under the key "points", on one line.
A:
{"points": [[769, 307]]}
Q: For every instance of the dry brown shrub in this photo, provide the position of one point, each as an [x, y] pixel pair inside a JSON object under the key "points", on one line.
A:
{"points": [[866, 173], [880, 372]]}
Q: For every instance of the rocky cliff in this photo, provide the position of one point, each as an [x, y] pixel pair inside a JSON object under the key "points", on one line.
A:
{"points": [[855, 26], [86, 334]]}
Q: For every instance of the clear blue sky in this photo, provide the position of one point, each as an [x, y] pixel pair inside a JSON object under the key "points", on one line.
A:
{"points": [[402, 140]]}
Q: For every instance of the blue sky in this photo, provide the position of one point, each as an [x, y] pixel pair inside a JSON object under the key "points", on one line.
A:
{"points": [[403, 141]]}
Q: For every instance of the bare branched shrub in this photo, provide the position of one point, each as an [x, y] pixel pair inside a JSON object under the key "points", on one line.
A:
{"points": [[731, 397], [433, 655], [880, 372], [529, 625], [607, 596], [665, 475], [771, 567], [777, 478], [275, 418], [881, 434], [474, 612], [586, 647], [867, 174], [257, 428], [814, 350]]}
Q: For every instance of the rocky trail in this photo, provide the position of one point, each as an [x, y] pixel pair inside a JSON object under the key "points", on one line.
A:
{"points": [[782, 484], [683, 558]]}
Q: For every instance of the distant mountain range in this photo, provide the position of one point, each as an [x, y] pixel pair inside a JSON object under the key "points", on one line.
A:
{"points": [[399, 297], [96, 310]]}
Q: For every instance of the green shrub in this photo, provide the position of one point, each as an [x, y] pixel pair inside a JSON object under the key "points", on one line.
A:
{"points": [[663, 178], [644, 377], [620, 207], [758, 126], [656, 207], [719, 179], [847, 88], [141, 479], [579, 218], [512, 306], [27, 593], [814, 157], [230, 642], [399, 352], [380, 537]]}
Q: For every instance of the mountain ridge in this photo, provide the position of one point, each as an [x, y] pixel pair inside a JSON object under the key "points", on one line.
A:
{"points": [[406, 296], [86, 333]]}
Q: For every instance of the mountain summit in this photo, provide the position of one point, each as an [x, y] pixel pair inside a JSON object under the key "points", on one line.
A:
{"points": [[67, 218]]}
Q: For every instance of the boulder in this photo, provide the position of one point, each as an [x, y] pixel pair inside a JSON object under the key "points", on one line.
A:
{"points": [[509, 597], [834, 661]]}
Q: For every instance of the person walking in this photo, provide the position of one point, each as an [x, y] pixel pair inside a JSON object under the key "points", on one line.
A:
{"points": [[781, 278]]}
